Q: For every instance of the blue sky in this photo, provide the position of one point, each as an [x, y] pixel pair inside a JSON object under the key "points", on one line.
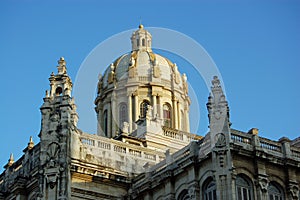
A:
{"points": [[255, 44]]}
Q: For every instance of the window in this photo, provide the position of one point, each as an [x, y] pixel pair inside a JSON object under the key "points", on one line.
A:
{"points": [[167, 115], [275, 192], [143, 42], [137, 42], [183, 195], [105, 122], [58, 91], [209, 191], [243, 188], [143, 108], [122, 114]]}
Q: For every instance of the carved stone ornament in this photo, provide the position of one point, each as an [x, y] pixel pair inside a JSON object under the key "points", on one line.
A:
{"points": [[293, 190], [221, 141], [111, 77], [53, 150], [263, 183], [156, 71], [149, 111], [131, 72], [217, 114], [192, 192]]}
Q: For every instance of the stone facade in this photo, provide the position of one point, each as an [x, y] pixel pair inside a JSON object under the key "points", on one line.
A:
{"points": [[148, 153]]}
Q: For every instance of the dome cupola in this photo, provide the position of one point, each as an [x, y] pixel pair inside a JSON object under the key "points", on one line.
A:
{"points": [[141, 39]]}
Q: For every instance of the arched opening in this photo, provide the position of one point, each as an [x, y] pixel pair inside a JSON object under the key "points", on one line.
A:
{"points": [[105, 123], [143, 42], [184, 195], [275, 191], [137, 42], [143, 108], [167, 115], [122, 114], [244, 188], [209, 190], [58, 91]]}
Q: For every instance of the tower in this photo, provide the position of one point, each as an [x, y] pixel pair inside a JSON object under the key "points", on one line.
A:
{"points": [[219, 136], [59, 119]]}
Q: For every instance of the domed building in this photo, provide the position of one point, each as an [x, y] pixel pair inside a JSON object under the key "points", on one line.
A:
{"points": [[137, 80], [143, 148]]}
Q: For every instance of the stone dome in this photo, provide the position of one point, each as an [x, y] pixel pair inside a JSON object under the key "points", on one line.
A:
{"points": [[141, 63], [139, 78]]}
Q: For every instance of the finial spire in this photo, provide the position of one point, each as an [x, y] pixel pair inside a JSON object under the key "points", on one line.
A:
{"points": [[62, 69], [11, 160], [30, 143], [141, 25]]}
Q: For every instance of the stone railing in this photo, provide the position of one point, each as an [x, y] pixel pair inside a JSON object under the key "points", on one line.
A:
{"points": [[295, 152], [179, 135], [106, 144], [270, 145], [259, 143], [239, 137]]}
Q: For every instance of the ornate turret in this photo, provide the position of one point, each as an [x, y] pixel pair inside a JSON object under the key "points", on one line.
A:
{"points": [[218, 110], [59, 120], [218, 113], [141, 39], [60, 84]]}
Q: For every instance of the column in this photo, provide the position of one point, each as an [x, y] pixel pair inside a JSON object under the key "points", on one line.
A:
{"points": [[179, 116], [186, 116], [160, 107], [175, 116], [129, 107], [114, 116], [99, 122], [136, 110], [154, 105], [109, 120]]}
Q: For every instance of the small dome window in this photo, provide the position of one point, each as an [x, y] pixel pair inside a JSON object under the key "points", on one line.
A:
{"points": [[122, 114], [105, 123], [143, 42], [167, 115]]}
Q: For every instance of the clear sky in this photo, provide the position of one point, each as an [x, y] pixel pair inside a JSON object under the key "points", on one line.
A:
{"points": [[255, 45]]}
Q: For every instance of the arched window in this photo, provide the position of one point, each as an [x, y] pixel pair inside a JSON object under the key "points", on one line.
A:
{"points": [[58, 91], [105, 122], [244, 188], [184, 195], [209, 190], [122, 114], [137, 42], [275, 192], [167, 115], [143, 108], [143, 42]]}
